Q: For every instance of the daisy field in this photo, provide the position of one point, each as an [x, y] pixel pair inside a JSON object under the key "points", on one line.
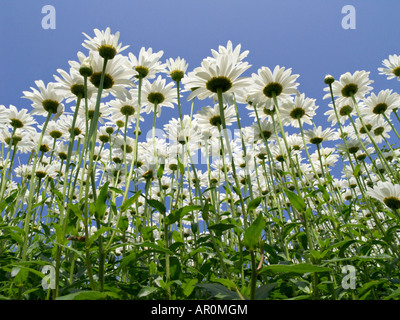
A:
{"points": [[198, 151]]}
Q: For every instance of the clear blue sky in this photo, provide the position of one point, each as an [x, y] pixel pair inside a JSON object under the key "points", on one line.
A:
{"points": [[304, 35]]}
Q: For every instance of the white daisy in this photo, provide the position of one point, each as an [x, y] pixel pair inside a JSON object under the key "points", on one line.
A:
{"points": [[317, 135], [266, 84], [118, 79], [209, 118], [124, 109], [386, 192], [392, 67], [176, 69], [45, 100], [376, 106], [158, 94], [228, 50], [345, 109], [222, 73], [349, 85], [147, 64], [105, 43], [301, 109], [18, 119], [72, 85]]}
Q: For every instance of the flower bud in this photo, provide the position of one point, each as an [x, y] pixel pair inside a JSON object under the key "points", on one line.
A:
{"points": [[329, 79]]}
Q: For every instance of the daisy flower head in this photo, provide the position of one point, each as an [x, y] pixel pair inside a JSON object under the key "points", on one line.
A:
{"points": [[158, 94], [214, 75], [267, 84], [386, 192], [228, 50], [84, 66], [261, 111], [301, 109], [377, 106], [344, 109], [380, 130], [179, 134], [391, 67], [317, 135], [18, 119], [147, 64], [23, 141], [105, 43], [349, 85], [53, 129], [209, 118], [327, 156], [45, 100], [263, 130], [118, 79], [65, 125], [124, 109], [176, 69], [72, 85]]}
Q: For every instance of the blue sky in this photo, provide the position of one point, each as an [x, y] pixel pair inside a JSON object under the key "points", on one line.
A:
{"points": [[306, 36]]}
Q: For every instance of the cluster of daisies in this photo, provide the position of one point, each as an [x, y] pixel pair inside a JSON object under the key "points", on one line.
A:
{"points": [[93, 134]]}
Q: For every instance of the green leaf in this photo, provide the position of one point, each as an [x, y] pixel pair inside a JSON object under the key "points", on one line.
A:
{"points": [[221, 226], [263, 292], [345, 245], [253, 233], [97, 234], [189, 286], [296, 268], [288, 228], [84, 295], [174, 268], [254, 204], [130, 201], [357, 170], [181, 166], [219, 291], [144, 292], [159, 206], [76, 210], [296, 201], [394, 294], [101, 201], [123, 223], [160, 171], [225, 282], [205, 212], [363, 258], [325, 194], [155, 247], [180, 213]]}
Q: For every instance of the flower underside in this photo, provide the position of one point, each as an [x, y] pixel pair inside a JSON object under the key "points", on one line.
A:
{"points": [[345, 110], [349, 90], [50, 106], [127, 110], [273, 88], [155, 97], [396, 71], [16, 123], [392, 202], [216, 121], [78, 90], [219, 83], [297, 113], [380, 108], [142, 72], [107, 51], [96, 78]]}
